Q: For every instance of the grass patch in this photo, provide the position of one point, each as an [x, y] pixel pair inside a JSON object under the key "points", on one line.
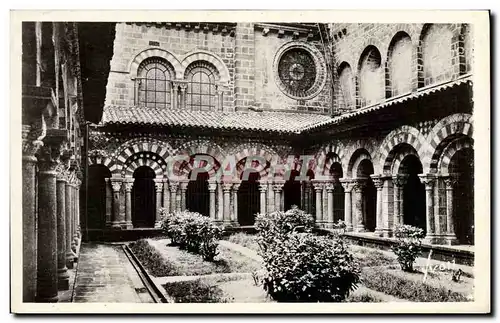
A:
{"points": [[244, 239], [152, 260], [194, 291], [365, 297], [401, 285], [368, 257]]}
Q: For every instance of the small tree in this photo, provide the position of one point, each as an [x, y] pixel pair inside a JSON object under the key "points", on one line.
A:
{"points": [[408, 246]]}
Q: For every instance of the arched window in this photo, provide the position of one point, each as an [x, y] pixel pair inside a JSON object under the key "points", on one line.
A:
{"points": [[201, 78], [400, 64], [371, 78], [437, 54], [346, 82], [153, 83]]}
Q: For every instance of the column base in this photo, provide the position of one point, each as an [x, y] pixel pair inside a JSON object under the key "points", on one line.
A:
{"points": [[129, 225], [158, 224], [62, 279], [387, 233], [431, 239], [349, 228], [378, 232], [360, 228], [70, 260], [451, 240]]}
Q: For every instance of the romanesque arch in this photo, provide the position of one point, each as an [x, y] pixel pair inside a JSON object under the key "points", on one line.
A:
{"points": [[405, 134], [149, 159], [133, 65], [329, 154], [202, 55], [400, 67], [200, 147], [357, 157], [244, 151]]}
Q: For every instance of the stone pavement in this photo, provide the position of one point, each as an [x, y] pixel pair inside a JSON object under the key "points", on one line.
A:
{"points": [[105, 275]]}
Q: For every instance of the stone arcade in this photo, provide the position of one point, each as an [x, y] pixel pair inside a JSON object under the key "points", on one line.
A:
{"points": [[384, 110]]}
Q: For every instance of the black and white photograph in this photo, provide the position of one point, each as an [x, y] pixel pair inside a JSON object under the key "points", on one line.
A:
{"points": [[233, 162]]}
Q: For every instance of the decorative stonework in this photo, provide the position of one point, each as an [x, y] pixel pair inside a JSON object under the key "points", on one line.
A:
{"points": [[299, 70]]}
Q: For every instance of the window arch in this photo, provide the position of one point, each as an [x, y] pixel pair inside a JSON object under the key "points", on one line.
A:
{"points": [[201, 88], [400, 64], [346, 82], [371, 87], [153, 83], [437, 54]]}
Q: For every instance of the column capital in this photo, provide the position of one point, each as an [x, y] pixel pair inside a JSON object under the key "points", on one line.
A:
{"points": [[183, 184], [378, 181], [212, 186], [318, 184], [263, 186], [31, 140], [329, 187], [158, 186], [226, 186], [236, 184], [359, 184], [399, 180], [449, 181], [427, 180], [278, 186], [128, 186], [116, 186], [48, 157], [173, 186]]}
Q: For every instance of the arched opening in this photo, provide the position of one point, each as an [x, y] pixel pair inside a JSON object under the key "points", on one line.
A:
{"points": [[347, 87], [248, 199], [291, 189], [96, 201], [197, 194], [413, 193], [338, 192], [311, 207], [400, 64], [371, 77], [143, 198], [369, 195], [437, 54], [462, 170]]}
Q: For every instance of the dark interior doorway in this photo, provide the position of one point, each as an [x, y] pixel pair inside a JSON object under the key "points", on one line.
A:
{"points": [[338, 192], [197, 194], [248, 199], [365, 169], [462, 168], [413, 193], [291, 189], [144, 198], [96, 212]]}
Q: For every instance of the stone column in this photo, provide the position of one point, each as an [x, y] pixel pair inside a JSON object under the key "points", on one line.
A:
{"points": [[159, 190], [263, 190], [173, 195], [166, 195], [182, 97], [226, 187], [378, 181], [428, 180], [234, 214], [451, 237], [318, 188], [109, 208], [62, 269], [278, 187], [183, 186], [212, 186], [29, 161], [346, 184], [270, 200], [220, 93], [77, 233], [70, 255], [73, 217], [220, 202], [359, 186], [128, 203], [329, 210], [399, 182], [47, 224], [387, 208], [174, 95], [116, 185]]}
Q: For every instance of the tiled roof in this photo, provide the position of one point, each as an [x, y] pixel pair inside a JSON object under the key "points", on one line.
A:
{"points": [[264, 121]]}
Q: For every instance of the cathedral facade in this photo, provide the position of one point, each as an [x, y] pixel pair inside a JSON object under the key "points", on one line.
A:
{"points": [[370, 124]]}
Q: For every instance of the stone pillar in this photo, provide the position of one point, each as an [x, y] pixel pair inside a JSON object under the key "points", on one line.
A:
{"points": [[329, 210], [109, 208], [212, 186], [182, 96], [62, 269], [29, 161], [399, 182], [307, 196], [359, 186], [220, 98], [263, 190], [47, 225], [234, 214], [173, 195], [159, 190], [226, 187], [278, 187], [451, 237], [378, 181], [220, 203], [318, 188], [77, 233], [73, 217], [128, 203], [116, 185], [387, 208], [174, 95], [346, 184], [166, 195], [183, 186], [270, 200], [428, 180], [70, 255]]}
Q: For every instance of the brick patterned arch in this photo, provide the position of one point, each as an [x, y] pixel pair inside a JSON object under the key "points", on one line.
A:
{"points": [[200, 147], [99, 160], [245, 150], [202, 55], [152, 160], [388, 149], [332, 153], [373, 54], [138, 145], [450, 150], [445, 131], [357, 157], [398, 36], [368, 42], [155, 52], [401, 151]]}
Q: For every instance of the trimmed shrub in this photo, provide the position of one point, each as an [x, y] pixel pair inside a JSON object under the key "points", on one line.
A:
{"points": [[152, 260], [307, 268], [193, 232], [194, 291], [408, 245]]}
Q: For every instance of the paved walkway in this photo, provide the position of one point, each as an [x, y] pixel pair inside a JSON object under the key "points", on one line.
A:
{"points": [[105, 275]]}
